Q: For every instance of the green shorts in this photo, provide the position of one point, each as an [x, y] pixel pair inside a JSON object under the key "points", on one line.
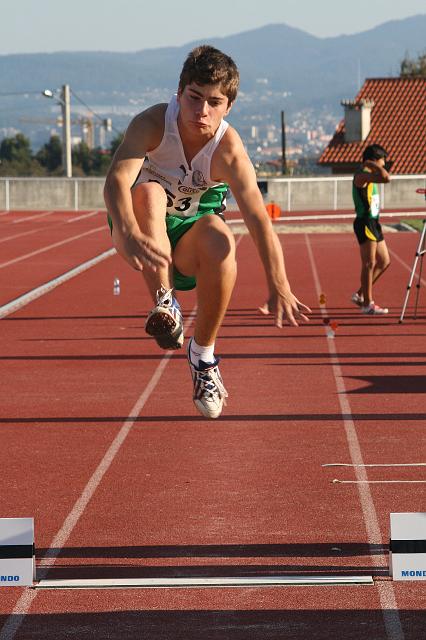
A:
{"points": [[176, 228]]}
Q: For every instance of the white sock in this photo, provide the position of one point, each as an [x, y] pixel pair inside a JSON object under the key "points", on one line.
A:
{"points": [[197, 353]]}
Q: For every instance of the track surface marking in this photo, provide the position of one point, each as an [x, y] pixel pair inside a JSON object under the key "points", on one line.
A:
{"points": [[242, 495]]}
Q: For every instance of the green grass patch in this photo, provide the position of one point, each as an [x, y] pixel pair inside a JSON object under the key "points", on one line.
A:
{"points": [[416, 223]]}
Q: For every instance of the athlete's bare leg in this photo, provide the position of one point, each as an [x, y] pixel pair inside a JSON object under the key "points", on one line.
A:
{"points": [[368, 260], [207, 251], [382, 262], [149, 206]]}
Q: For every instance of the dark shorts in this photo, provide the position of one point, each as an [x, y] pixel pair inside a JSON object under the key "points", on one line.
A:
{"points": [[368, 229], [176, 228]]}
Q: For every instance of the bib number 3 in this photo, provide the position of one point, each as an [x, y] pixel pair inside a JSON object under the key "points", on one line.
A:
{"points": [[184, 205]]}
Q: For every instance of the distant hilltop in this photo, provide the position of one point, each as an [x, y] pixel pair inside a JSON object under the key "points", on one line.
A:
{"points": [[310, 71]]}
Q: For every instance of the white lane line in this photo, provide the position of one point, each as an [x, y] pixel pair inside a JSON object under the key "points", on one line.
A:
{"points": [[50, 246], [84, 216], [333, 216], [388, 602], [33, 217], [21, 235], [28, 233], [336, 481], [393, 464], [25, 299], [3, 213], [41, 229], [223, 582], [16, 618], [23, 605]]}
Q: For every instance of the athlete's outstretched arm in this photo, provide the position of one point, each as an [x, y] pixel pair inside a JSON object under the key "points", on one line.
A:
{"points": [[239, 173]]}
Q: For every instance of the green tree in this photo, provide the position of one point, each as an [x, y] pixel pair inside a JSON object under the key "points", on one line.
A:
{"points": [[16, 149], [16, 157], [50, 155], [19, 169], [90, 162], [82, 158], [413, 68], [101, 159]]}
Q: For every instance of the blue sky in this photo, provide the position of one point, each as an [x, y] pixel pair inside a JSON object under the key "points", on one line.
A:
{"points": [[31, 26]]}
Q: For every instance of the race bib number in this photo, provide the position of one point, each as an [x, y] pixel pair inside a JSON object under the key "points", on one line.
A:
{"points": [[180, 205], [375, 205]]}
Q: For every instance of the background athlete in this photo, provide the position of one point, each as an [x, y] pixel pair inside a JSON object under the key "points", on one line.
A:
{"points": [[165, 193], [373, 250]]}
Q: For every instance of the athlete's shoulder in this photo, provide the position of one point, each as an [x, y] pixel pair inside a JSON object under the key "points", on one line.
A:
{"points": [[231, 139], [231, 146], [152, 116], [148, 126], [229, 155]]}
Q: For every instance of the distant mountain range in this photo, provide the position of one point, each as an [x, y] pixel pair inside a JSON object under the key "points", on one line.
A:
{"points": [[316, 71]]}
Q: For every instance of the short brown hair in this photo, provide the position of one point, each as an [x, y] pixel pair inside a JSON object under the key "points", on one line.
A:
{"points": [[207, 65]]}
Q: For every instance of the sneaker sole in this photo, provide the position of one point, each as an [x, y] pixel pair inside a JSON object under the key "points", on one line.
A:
{"points": [[169, 342], [165, 330]]}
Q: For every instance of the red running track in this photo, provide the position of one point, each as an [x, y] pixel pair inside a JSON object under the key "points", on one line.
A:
{"points": [[102, 445]]}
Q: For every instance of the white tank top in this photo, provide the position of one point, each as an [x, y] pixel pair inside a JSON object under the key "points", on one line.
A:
{"points": [[189, 188]]}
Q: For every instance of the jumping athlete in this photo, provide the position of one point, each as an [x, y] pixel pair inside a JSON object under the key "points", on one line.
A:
{"points": [[373, 250], [165, 194]]}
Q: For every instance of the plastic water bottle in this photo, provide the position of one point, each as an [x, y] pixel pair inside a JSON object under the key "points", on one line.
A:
{"points": [[116, 287]]}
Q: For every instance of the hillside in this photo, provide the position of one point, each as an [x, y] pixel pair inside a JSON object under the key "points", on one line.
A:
{"points": [[315, 70]]}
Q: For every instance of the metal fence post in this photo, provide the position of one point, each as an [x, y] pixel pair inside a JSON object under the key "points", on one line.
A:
{"points": [[76, 194], [7, 194]]}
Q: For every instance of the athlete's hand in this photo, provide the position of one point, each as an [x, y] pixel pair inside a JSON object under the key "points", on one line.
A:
{"points": [[284, 304], [140, 251]]}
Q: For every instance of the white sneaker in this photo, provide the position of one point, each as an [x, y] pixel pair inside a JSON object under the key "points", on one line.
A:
{"points": [[209, 391], [165, 321], [357, 299], [374, 310]]}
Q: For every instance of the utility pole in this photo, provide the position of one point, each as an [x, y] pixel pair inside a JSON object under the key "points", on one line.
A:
{"points": [[283, 145], [66, 130]]}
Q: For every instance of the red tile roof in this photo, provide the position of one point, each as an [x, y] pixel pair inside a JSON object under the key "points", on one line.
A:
{"points": [[398, 123]]}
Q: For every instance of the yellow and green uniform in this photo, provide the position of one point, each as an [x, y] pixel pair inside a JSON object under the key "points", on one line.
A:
{"points": [[366, 200], [367, 209]]}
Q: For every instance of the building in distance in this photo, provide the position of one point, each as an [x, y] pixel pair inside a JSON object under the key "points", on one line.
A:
{"points": [[387, 111]]}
